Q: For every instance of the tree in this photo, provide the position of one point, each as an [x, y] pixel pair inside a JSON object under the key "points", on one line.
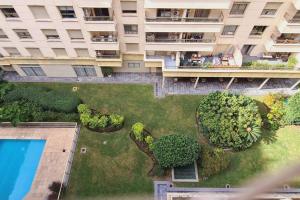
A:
{"points": [[175, 150], [292, 113]]}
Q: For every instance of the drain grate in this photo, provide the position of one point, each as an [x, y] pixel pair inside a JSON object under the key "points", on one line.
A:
{"points": [[83, 150]]}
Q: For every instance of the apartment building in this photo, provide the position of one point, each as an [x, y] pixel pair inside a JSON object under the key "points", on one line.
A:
{"points": [[190, 38]]}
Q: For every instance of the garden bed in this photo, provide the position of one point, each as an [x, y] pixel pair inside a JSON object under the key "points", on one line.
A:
{"points": [[95, 121]]}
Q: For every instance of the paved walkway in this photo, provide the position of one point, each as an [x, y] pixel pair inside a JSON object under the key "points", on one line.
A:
{"points": [[171, 87]]}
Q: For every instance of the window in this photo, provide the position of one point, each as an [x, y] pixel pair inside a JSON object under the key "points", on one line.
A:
{"points": [[60, 52], [75, 34], [82, 52], [23, 33], [35, 52], [134, 65], [9, 12], [96, 14], [132, 46], [39, 12], [229, 30], [128, 6], [258, 30], [131, 29], [238, 8], [84, 70], [12, 51], [33, 70], [271, 8], [50, 34], [66, 11], [2, 34]]}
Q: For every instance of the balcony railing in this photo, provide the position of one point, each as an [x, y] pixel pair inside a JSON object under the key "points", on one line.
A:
{"points": [[295, 21], [108, 56], [167, 40], [287, 41], [98, 18], [184, 19], [104, 39]]}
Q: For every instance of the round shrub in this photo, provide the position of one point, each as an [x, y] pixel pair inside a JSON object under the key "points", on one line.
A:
{"points": [[229, 120], [292, 111], [213, 160], [176, 150], [137, 130]]}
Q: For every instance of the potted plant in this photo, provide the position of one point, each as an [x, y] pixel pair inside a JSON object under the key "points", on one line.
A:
{"points": [[107, 71]]}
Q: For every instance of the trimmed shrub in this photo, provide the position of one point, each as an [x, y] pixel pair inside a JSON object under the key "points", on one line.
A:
{"points": [[276, 112], [4, 89], [50, 116], [149, 140], [175, 150], [61, 101], [230, 120], [19, 111], [116, 120], [292, 112], [137, 130], [213, 160], [94, 120]]}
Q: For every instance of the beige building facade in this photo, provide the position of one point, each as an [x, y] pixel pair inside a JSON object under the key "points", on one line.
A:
{"points": [[191, 38]]}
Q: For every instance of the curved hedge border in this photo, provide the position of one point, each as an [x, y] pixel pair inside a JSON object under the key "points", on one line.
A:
{"points": [[98, 122], [140, 137]]}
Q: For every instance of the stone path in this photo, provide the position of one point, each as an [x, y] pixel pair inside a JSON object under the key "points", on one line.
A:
{"points": [[183, 86]]}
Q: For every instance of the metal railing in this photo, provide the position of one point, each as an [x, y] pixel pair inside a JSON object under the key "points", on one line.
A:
{"points": [[108, 56], [67, 171], [98, 18], [183, 19], [286, 41], [169, 40], [104, 39]]}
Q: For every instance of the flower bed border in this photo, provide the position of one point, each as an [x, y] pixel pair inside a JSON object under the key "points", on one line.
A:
{"points": [[143, 146]]}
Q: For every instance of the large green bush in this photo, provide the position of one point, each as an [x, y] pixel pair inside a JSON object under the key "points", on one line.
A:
{"points": [[61, 101], [175, 150], [292, 112], [213, 160], [230, 120], [19, 111]]}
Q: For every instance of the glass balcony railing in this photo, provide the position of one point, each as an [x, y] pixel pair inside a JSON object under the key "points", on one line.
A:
{"points": [[98, 18], [184, 19], [170, 40]]}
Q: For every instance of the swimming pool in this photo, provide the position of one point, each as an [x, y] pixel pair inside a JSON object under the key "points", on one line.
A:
{"points": [[19, 160]]}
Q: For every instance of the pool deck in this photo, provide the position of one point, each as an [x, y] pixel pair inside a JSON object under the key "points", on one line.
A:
{"points": [[54, 161]]}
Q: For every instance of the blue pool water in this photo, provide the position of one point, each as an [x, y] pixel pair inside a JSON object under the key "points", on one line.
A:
{"points": [[19, 160]]}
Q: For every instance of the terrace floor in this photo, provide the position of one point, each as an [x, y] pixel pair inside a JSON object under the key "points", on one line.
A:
{"points": [[53, 161]]}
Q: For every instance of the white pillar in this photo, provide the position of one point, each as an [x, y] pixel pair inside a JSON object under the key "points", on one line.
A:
{"points": [[295, 85], [163, 82], [196, 83], [263, 83], [229, 84], [177, 58]]}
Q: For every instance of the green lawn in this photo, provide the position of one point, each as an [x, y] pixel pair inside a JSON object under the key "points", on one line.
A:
{"points": [[113, 166]]}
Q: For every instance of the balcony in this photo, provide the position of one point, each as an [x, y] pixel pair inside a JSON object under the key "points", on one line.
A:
{"points": [[108, 58], [180, 41], [201, 4], [177, 22], [296, 4], [98, 18], [284, 43], [289, 25]]}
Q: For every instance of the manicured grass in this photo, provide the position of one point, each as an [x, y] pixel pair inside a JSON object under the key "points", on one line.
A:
{"points": [[113, 167]]}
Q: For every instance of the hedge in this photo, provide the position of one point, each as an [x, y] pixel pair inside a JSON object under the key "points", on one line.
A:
{"points": [[55, 100], [292, 111], [175, 150]]}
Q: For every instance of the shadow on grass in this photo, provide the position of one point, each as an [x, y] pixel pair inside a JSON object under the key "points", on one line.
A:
{"points": [[268, 135]]}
